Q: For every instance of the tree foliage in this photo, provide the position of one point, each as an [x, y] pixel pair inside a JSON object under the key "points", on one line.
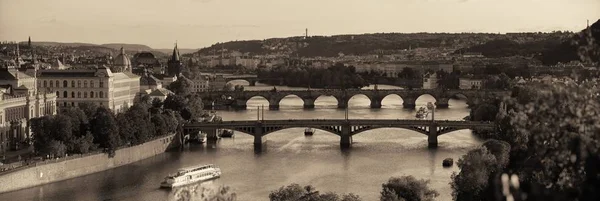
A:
{"points": [[295, 192], [553, 130], [407, 188]]}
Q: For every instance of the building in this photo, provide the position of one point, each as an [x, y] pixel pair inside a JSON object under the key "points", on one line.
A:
{"points": [[20, 100], [115, 87], [217, 82], [201, 83], [430, 81], [174, 65], [470, 83]]}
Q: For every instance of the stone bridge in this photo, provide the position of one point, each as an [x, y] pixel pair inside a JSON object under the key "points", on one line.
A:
{"points": [[345, 128], [240, 98], [252, 79]]}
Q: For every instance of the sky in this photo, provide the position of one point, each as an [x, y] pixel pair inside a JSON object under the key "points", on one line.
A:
{"points": [[201, 23]]}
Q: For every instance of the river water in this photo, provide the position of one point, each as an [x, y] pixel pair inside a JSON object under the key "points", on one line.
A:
{"points": [[290, 157]]}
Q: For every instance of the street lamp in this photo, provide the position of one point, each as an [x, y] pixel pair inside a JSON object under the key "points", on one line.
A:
{"points": [[431, 107]]}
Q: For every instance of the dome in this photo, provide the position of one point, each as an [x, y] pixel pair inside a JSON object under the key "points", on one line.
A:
{"points": [[145, 58], [121, 62]]}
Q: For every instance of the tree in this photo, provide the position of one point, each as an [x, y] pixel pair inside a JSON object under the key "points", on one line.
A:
{"points": [[552, 131], [182, 86], [476, 169], [41, 128], [484, 112], [295, 192], [408, 73], [407, 188], [105, 130]]}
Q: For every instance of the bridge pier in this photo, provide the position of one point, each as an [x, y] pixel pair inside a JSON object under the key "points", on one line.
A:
{"points": [[375, 103], [273, 106], [409, 103], [309, 103], [211, 134], [252, 83], [345, 141], [342, 103], [432, 140], [259, 141], [346, 137]]}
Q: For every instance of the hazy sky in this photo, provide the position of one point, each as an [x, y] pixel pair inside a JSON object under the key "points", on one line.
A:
{"points": [[200, 23]]}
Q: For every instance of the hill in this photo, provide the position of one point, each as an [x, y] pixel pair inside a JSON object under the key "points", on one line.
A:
{"points": [[581, 46], [386, 43], [556, 48]]}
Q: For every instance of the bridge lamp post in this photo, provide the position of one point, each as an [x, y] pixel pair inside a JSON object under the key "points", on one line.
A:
{"points": [[431, 107]]}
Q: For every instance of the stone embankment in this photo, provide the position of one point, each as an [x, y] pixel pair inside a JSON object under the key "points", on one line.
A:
{"points": [[75, 166]]}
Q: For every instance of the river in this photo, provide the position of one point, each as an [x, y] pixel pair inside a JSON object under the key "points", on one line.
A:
{"points": [[290, 157]]}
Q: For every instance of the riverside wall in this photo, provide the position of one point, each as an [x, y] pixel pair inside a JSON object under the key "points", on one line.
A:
{"points": [[52, 171]]}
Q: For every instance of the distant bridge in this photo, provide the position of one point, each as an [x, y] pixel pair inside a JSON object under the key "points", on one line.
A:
{"points": [[252, 79], [345, 128], [343, 96]]}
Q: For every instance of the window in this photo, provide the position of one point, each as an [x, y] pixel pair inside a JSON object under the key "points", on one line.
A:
{"points": [[52, 84], [65, 84], [57, 93], [72, 94], [45, 83], [73, 83], [101, 84], [92, 83], [57, 83], [65, 104], [65, 95], [78, 94], [101, 94], [78, 83], [85, 94], [85, 84], [91, 94]]}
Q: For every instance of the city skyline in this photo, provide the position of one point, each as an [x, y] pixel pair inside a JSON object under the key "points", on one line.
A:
{"points": [[201, 23]]}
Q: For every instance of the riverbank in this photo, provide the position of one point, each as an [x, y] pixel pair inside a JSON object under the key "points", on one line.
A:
{"points": [[75, 166]]}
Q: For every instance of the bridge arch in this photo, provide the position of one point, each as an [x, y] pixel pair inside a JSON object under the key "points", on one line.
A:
{"points": [[291, 100], [424, 98], [238, 81], [257, 100], [327, 130], [424, 130], [326, 101], [392, 100], [355, 99]]}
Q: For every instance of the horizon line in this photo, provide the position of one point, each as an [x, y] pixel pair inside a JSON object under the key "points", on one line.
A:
{"points": [[283, 37]]}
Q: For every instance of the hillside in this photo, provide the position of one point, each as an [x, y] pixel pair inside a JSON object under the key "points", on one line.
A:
{"points": [[585, 44], [387, 43]]}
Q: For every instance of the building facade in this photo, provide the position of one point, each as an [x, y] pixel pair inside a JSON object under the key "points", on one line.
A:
{"points": [[470, 83], [20, 100], [430, 81], [115, 88]]}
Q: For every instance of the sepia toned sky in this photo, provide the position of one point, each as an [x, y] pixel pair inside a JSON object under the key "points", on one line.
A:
{"points": [[200, 23]]}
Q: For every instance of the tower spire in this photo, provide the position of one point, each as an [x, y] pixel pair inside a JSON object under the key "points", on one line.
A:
{"points": [[588, 24], [175, 56], [29, 42]]}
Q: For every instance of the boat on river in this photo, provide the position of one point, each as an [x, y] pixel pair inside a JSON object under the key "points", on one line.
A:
{"points": [[309, 131], [422, 113], [197, 138], [190, 175]]}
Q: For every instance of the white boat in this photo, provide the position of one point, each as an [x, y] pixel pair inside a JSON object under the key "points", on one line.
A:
{"points": [[191, 175]]}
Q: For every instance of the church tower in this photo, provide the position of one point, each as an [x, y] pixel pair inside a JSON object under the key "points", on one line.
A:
{"points": [[174, 65]]}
